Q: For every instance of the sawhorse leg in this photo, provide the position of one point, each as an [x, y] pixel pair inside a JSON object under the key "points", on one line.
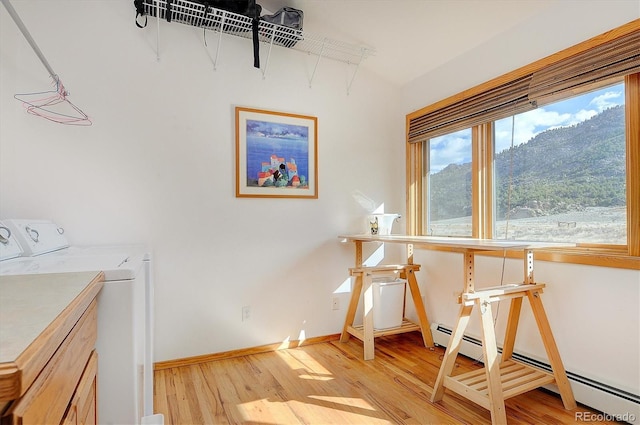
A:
{"points": [[363, 285], [553, 354], [491, 366], [559, 373], [353, 306], [367, 319], [451, 352], [512, 328], [427, 338]]}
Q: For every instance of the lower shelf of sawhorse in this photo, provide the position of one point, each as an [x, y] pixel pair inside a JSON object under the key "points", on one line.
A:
{"points": [[406, 326], [515, 379]]}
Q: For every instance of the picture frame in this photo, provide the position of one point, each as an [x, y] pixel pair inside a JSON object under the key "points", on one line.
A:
{"points": [[276, 154]]}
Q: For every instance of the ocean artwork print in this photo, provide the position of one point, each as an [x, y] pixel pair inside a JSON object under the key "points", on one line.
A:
{"points": [[277, 155]]}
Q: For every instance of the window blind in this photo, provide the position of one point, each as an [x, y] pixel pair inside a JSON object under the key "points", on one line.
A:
{"points": [[613, 58], [498, 102]]}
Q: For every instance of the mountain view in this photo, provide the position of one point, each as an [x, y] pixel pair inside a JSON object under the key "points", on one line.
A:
{"points": [[560, 171]]}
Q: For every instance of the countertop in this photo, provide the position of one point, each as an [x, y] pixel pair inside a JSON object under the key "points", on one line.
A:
{"points": [[472, 244], [37, 311]]}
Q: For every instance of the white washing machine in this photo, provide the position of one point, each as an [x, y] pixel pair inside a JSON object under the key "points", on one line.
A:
{"points": [[125, 310]]}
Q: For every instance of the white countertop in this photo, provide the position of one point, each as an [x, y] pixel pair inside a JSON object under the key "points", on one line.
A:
{"points": [[29, 303], [456, 243]]}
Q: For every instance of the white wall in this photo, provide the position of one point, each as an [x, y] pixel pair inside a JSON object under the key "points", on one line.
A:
{"points": [[593, 310], [157, 167]]}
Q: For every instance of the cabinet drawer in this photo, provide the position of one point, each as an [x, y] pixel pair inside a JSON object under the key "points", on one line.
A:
{"points": [[48, 398]]}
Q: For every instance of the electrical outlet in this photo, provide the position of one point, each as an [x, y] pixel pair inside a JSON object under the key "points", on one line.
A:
{"points": [[246, 312], [336, 304]]}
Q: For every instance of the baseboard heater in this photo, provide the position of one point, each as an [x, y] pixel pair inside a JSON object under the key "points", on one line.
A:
{"points": [[616, 404]]}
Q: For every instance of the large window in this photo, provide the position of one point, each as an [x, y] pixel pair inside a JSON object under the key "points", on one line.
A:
{"points": [[560, 171], [548, 152]]}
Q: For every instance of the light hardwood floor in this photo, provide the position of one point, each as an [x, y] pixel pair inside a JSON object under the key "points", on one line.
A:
{"points": [[330, 383]]}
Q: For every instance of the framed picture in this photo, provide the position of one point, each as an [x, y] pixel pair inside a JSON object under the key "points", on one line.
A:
{"points": [[276, 154]]}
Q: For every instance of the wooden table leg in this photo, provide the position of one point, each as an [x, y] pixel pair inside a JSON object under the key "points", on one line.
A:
{"points": [[353, 306], [469, 272], [528, 267], [512, 328], [367, 287], [420, 310], [491, 365], [553, 354]]}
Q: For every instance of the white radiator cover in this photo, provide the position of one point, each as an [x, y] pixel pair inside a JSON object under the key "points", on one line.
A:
{"points": [[616, 404]]}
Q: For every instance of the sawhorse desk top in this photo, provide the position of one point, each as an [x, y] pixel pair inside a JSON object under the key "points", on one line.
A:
{"points": [[462, 244]]}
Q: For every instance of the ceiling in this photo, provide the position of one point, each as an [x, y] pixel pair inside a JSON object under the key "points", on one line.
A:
{"points": [[411, 37]]}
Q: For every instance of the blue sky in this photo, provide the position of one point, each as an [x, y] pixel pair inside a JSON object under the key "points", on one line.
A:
{"points": [[455, 148]]}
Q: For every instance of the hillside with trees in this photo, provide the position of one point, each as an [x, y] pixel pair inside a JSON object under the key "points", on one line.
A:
{"points": [[558, 170]]}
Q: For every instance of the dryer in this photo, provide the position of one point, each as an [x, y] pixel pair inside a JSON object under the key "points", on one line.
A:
{"points": [[125, 312]]}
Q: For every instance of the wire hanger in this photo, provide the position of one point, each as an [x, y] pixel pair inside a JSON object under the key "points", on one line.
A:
{"points": [[54, 106]]}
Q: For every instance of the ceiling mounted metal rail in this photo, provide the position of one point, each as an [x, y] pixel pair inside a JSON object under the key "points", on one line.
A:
{"points": [[30, 40]]}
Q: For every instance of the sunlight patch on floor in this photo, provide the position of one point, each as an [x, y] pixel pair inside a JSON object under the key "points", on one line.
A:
{"points": [[316, 377], [332, 409], [347, 401], [305, 365]]}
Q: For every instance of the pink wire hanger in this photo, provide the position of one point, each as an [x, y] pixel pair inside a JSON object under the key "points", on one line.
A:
{"points": [[54, 106]]}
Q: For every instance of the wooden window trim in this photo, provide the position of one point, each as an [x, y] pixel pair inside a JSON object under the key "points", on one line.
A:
{"points": [[632, 110]]}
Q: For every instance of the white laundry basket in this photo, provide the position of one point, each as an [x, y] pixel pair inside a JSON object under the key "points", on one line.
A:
{"points": [[388, 302]]}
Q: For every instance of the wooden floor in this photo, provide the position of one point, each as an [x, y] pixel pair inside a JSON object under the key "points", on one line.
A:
{"points": [[330, 383]]}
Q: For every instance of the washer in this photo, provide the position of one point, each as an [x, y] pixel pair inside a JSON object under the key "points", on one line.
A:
{"points": [[125, 312]]}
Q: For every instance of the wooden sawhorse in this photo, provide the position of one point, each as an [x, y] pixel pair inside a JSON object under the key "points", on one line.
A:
{"points": [[364, 285], [501, 378]]}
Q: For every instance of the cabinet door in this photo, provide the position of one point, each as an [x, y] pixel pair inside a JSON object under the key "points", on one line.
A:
{"points": [[71, 417], [85, 397], [47, 400], [82, 408]]}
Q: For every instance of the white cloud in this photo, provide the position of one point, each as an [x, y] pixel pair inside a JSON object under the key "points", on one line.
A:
{"points": [[527, 126], [583, 115], [604, 101], [453, 148], [530, 124]]}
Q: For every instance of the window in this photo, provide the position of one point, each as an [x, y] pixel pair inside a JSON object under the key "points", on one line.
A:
{"points": [[559, 171], [449, 185], [548, 152]]}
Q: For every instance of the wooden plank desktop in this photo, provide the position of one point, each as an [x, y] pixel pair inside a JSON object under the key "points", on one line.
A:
{"points": [[457, 243]]}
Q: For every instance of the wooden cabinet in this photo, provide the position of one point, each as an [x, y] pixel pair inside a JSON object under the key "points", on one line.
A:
{"points": [[82, 409], [54, 378]]}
